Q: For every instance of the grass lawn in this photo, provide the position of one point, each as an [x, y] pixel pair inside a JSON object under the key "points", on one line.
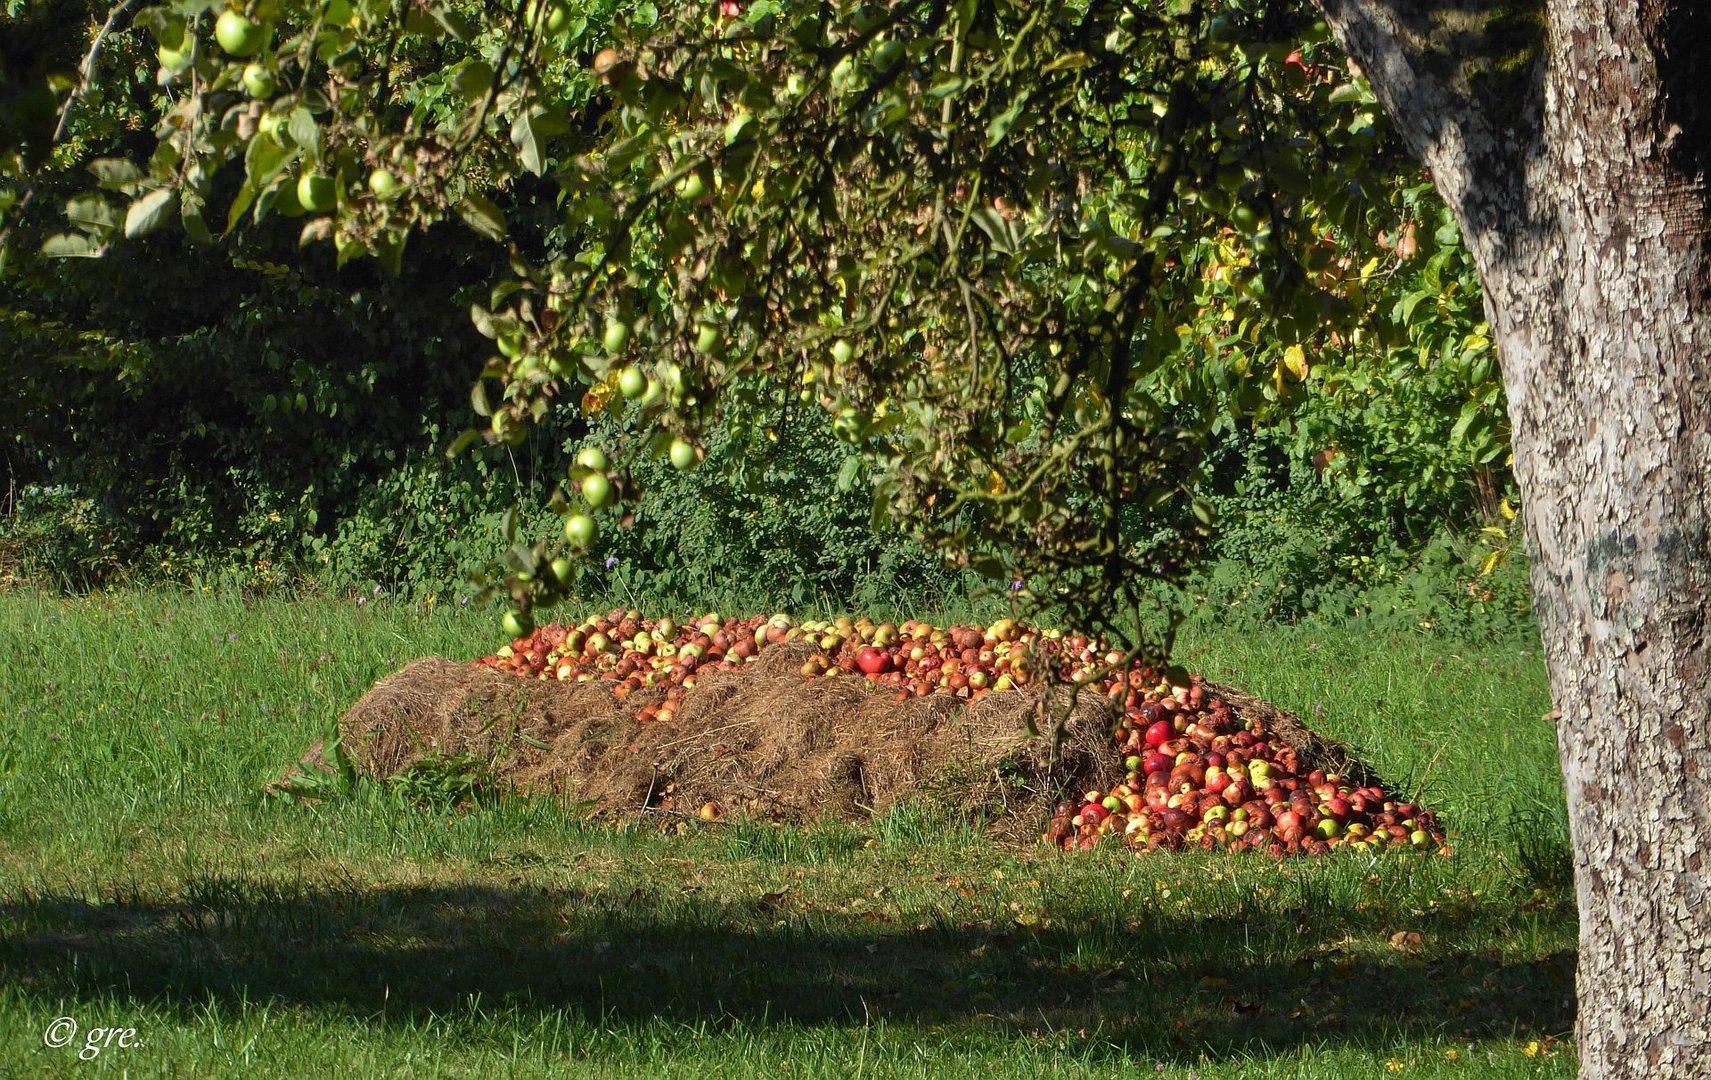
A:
{"points": [[145, 883]]}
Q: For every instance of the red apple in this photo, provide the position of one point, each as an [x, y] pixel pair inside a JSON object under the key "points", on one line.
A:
{"points": [[1216, 779], [872, 660]]}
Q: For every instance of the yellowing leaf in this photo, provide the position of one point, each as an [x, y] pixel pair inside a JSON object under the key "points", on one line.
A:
{"points": [[1506, 510], [599, 396], [995, 483], [1295, 360]]}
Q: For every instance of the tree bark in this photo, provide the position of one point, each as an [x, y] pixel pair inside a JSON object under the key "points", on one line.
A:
{"points": [[1572, 140]]}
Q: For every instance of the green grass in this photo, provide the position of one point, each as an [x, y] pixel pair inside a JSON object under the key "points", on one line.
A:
{"points": [[145, 883]]}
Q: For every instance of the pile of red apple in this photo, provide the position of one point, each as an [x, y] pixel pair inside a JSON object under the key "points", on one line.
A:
{"points": [[1196, 774]]}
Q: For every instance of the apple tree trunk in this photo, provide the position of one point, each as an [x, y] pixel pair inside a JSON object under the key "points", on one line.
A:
{"points": [[1573, 141]]}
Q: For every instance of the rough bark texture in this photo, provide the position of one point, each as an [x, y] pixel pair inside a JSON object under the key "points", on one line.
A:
{"points": [[1572, 139]]}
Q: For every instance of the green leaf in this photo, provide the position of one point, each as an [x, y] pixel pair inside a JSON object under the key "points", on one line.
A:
{"points": [[151, 211], [389, 251], [456, 24], [1003, 235], [849, 473], [1469, 413], [480, 214], [265, 159], [241, 202], [420, 22], [473, 80], [72, 246], [1405, 307], [92, 214], [483, 320], [1068, 62], [1003, 122], [348, 250], [880, 514], [624, 153], [465, 439], [945, 88], [115, 173], [304, 132], [528, 143], [195, 225]]}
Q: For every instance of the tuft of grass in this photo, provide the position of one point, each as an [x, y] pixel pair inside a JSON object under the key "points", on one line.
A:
{"points": [[821, 843], [146, 883], [441, 782]]}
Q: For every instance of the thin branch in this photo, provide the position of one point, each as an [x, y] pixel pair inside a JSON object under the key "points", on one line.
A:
{"points": [[86, 71], [85, 76]]}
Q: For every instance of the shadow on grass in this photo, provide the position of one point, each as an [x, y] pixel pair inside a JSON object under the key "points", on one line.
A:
{"points": [[1164, 986]]}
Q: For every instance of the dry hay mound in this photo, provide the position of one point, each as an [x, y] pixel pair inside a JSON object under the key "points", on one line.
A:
{"points": [[763, 741]]}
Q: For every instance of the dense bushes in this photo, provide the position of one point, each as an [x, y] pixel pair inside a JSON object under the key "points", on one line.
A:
{"points": [[221, 407], [1293, 545], [763, 522]]}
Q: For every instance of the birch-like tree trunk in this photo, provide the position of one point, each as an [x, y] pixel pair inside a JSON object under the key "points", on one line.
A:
{"points": [[1572, 139]]}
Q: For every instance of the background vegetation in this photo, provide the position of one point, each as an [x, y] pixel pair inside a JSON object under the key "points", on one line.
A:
{"points": [[255, 413], [289, 428]]}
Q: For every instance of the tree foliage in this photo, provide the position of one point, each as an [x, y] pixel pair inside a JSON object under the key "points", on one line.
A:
{"points": [[1028, 259]]}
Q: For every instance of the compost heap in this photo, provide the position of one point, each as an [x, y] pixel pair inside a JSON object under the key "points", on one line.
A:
{"points": [[786, 720]]}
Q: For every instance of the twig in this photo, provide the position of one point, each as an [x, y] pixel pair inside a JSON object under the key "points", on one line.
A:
{"points": [[87, 68], [704, 734]]}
